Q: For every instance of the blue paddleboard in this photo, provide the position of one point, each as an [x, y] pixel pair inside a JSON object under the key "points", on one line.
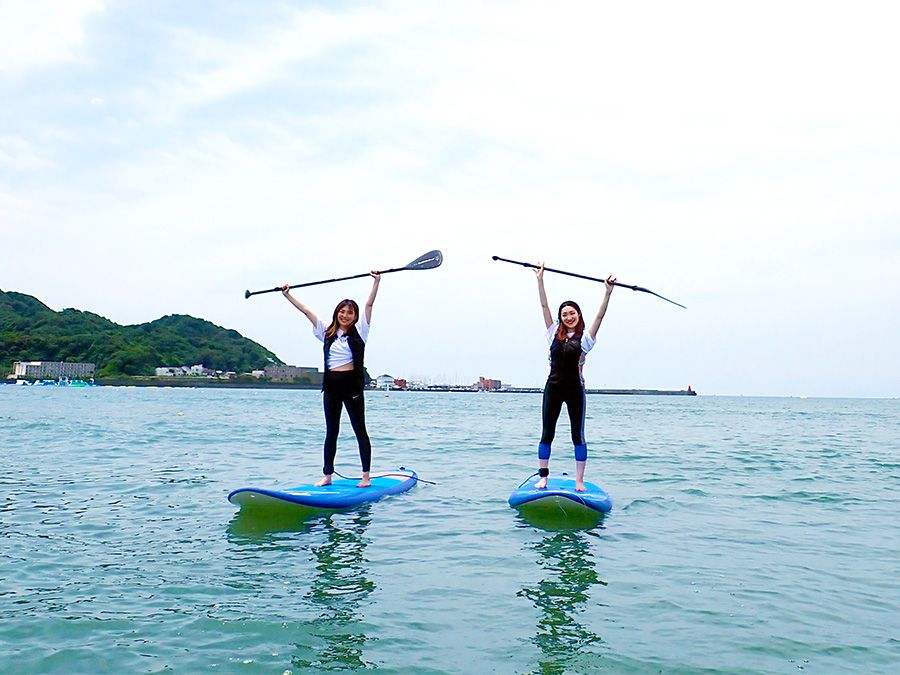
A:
{"points": [[560, 496], [341, 494]]}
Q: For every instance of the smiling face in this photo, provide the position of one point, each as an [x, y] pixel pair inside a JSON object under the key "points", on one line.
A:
{"points": [[346, 317], [569, 317]]}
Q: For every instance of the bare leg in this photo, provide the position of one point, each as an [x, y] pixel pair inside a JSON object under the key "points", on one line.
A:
{"points": [[579, 476], [542, 483]]}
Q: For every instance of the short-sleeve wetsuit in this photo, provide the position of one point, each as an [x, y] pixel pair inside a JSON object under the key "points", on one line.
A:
{"points": [[565, 384]]}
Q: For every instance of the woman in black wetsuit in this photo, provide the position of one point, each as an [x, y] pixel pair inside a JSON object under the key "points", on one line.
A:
{"points": [[344, 342], [569, 343]]}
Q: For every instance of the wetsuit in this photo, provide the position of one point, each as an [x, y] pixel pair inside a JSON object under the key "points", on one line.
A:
{"points": [[344, 389], [565, 385]]}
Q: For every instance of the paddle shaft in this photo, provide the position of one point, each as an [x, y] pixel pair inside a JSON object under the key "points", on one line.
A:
{"points": [[426, 261], [317, 283], [584, 276]]}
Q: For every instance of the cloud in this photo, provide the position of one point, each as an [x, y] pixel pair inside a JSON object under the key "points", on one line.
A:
{"points": [[19, 155], [40, 33], [212, 68], [738, 160]]}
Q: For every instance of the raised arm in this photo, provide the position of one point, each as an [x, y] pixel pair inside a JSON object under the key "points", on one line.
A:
{"points": [[371, 301], [595, 326], [286, 292], [545, 308]]}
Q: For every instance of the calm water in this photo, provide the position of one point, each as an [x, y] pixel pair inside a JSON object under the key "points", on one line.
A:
{"points": [[747, 536]]}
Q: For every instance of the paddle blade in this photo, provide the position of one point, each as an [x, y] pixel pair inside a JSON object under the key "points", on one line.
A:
{"points": [[427, 261]]}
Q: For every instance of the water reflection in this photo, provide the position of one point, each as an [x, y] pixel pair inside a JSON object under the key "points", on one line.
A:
{"points": [[339, 585], [555, 520], [269, 526], [336, 640], [562, 595]]}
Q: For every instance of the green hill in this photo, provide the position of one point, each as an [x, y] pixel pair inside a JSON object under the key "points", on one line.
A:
{"points": [[31, 331]]}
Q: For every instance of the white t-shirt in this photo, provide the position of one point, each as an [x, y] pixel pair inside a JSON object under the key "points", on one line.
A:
{"points": [[587, 343], [339, 354]]}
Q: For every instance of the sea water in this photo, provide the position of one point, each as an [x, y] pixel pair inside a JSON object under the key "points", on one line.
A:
{"points": [[748, 535]]}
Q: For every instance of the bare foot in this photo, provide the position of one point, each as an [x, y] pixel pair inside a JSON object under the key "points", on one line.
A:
{"points": [[364, 482], [541, 484], [326, 480], [579, 486]]}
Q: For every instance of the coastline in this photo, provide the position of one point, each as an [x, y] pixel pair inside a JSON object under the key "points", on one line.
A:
{"points": [[540, 390], [200, 383]]}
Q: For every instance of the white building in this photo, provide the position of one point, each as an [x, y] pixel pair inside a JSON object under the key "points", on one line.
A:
{"points": [[51, 370], [384, 381], [183, 371]]}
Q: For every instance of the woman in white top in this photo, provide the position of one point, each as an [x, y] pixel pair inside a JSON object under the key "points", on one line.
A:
{"points": [[344, 343], [569, 344]]}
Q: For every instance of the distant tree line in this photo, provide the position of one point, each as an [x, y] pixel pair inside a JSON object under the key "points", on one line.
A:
{"points": [[31, 331]]}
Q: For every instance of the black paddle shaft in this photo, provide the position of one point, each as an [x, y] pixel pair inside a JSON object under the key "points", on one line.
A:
{"points": [[583, 276], [426, 261]]}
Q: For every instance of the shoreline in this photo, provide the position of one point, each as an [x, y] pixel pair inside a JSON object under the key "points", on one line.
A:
{"points": [[540, 390], [209, 384]]}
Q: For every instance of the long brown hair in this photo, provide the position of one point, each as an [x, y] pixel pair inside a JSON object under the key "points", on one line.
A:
{"points": [[562, 331], [333, 327]]}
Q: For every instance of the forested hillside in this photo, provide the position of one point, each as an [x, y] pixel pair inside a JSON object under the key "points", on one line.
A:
{"points": [[31, 331]]}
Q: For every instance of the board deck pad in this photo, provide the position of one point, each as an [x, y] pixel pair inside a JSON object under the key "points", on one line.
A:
{"points": [[341, 494], [560, 495]]}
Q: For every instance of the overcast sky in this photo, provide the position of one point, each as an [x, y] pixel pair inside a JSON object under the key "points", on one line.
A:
{"points": [[742, 158]]}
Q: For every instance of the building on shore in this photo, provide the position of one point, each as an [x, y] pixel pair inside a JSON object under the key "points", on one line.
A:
{"points": [[384, 381], [52, 370], [487, 384], [294, 374], [184, 371]]}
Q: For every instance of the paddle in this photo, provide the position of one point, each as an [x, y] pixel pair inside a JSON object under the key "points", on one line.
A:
{"points": [[582, 276], [426, 261]]}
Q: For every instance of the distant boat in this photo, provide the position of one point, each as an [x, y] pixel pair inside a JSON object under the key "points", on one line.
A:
{"points": [[61, 382]]}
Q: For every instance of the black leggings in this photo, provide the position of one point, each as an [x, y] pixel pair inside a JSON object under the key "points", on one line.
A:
{"points": [[554, 397], [343, 390]]}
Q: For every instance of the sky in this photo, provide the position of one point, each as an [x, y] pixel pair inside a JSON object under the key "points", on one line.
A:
{"points": [[741, 158]]}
